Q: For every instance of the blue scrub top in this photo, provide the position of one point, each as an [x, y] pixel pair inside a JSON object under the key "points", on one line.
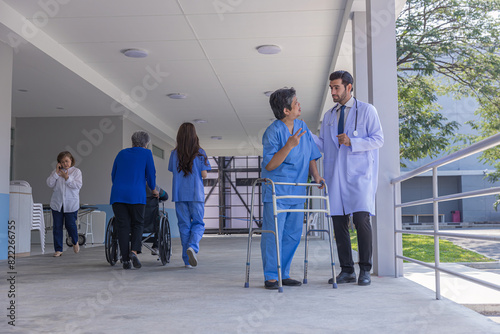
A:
{"points": [[188, 188], [132, 168], [295, 168]]}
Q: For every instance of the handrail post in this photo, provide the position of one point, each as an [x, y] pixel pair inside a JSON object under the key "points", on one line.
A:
{"points": [[396, 267], [435, 208]]}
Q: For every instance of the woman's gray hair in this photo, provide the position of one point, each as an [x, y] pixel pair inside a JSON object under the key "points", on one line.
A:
{"points": [[140, 139]]}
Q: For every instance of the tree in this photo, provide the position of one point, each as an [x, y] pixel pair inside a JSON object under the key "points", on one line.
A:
{"points": [[447, 47]]}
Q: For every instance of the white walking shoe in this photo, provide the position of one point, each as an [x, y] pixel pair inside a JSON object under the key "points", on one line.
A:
{"points": [[193, 261]]}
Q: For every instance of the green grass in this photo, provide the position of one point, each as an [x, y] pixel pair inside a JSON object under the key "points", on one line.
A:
{"points": [[421, 247]]}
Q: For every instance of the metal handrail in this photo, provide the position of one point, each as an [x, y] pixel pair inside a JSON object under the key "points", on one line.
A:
{"points": [[463, 153], [460, 154]]}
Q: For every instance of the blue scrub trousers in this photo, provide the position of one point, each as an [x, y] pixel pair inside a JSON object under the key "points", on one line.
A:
{"points": [[191, 225], [289, 233], [69, 220]]}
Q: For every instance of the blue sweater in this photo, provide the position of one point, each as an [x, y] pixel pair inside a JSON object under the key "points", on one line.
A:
{"points": [[133, 167]]}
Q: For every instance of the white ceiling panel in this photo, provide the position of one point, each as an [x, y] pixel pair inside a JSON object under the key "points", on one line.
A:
{"points": [[116, 29], [268, 25], [314, 46], [157, 50], [95, 8], [241, 6]]}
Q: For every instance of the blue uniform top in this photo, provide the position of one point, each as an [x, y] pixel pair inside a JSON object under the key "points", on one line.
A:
{"points": [[188, 188], [295, 167], [133, 167]]}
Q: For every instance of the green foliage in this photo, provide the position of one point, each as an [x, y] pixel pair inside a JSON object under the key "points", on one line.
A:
{"points": [[458, 42], [423, 130]]}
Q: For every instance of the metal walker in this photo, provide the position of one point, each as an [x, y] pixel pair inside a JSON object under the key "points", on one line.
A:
{"points": [[326, 211]]}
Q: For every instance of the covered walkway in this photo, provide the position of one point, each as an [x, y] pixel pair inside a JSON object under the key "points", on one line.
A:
{"points": [[83, 294]]}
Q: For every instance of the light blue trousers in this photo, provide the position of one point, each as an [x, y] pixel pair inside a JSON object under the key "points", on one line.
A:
{"points": [[289, 233], [191, 225]]}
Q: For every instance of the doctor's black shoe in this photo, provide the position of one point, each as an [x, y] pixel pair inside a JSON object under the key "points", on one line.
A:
{"points": [[127, 265], [271, 285], [344, 277], [364, 278], [291, 282], [192, 257], [135, 260]]}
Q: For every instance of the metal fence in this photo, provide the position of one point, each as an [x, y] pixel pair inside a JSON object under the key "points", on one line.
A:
{"points": [[468, 151]]}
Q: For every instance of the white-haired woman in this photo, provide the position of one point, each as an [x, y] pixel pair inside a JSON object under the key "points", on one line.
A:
{"points": [[132, 169]]}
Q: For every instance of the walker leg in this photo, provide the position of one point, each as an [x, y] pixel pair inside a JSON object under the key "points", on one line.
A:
{"points": [[278, 255], [306, 254], [334, 284], [249, 250]]}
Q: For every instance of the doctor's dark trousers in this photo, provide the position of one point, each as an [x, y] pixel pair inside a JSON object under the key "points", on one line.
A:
{"points": [[361, 221]]}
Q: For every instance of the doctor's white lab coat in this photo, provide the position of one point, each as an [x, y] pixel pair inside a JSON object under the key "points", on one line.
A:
{"points": [[351, 172]]}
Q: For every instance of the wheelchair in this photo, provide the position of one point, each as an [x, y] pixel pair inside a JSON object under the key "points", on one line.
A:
{"points": [[156, 231]]}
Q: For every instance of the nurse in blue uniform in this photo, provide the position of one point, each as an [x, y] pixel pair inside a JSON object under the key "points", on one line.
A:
{"points": [[189, 165], [289, 155]]}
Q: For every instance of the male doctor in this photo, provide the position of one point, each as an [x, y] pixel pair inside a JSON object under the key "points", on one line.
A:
{"points": [[350, 137]]}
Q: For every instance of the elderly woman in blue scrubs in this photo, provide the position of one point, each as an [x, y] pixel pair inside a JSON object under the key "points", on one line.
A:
{"points": [[290, 155], [189, 165]]}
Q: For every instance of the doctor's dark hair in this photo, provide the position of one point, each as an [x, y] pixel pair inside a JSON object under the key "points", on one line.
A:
{"points": [[65, 154], [344, 75], [140, 139], [188, 147], [281, 99]]}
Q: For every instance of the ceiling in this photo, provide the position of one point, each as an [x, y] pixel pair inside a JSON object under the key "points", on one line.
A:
{"points": [[67, 56]]}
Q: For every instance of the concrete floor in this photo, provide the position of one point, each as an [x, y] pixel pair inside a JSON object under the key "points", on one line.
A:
{"points": [[82, 293]]}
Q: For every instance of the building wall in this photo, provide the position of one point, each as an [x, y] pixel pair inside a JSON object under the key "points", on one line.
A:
{"points": [[93, 142], [479, 209]]}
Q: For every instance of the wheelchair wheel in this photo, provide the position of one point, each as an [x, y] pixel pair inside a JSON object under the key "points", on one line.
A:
{"points": [[111, 243], [81, 240], [164, 240]]}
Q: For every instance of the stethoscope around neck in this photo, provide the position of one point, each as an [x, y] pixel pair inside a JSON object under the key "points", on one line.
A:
{"points": [[355, 132]]}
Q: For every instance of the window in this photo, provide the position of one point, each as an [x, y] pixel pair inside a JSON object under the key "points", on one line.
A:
{"points": [[160, 153]]}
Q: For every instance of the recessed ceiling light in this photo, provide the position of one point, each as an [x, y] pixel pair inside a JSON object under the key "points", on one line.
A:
{"points": [[177, 96], [268, 93], [60, 108], [216, 137], [135, 53], [199, 121], [268, 49], [22, 90]]}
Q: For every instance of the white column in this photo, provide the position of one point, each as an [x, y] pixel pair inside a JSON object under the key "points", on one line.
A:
{"points": [[6, 58], [360, 56], [383, 95]]}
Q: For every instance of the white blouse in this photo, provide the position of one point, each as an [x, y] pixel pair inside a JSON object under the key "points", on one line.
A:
{"points": [[66, 192]]}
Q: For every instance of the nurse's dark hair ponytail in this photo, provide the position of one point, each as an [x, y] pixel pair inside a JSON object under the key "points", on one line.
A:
{"points": [[188, 147]]}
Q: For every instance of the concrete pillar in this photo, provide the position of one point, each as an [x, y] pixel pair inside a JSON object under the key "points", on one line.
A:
{"points": [[6, 59], [382, 93], [360, 56]]}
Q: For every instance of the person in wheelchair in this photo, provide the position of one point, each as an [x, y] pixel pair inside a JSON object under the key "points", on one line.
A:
{"points": [[152, 215], [156, 230], [132, 168]]}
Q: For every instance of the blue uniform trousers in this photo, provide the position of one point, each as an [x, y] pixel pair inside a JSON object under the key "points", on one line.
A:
{"points": [[289, 232], [191, 225]]}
